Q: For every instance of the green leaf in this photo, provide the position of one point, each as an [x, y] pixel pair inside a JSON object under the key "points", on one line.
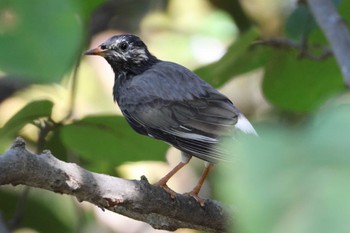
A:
{"points": [[88, 6], [110, 138], [40, 39], [300, 85], [292, 180], [344, 10], [56, 211], [54, 143], [32, 111], [300, 23], [239, 58]]}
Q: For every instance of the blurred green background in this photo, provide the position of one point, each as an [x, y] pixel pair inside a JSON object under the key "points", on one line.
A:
{"points": [[293, 178]]}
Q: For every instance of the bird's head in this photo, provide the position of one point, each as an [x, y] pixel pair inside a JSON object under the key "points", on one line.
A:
{"points": [[125, 53]]}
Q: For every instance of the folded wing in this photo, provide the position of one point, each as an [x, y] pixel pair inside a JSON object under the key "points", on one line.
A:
{"points": [[180, 109]]}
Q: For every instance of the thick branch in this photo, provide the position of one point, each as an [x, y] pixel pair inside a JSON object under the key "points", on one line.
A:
{"points": [[336, 31], [136, 199]]}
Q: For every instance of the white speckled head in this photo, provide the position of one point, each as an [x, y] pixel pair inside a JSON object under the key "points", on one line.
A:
{"points": [[127, 48], [125, 53]]}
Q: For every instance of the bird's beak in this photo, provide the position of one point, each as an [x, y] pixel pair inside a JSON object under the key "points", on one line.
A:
{"points": [[96, 51]]}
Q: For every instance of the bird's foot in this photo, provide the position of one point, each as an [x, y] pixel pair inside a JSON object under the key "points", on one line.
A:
{"points": [[171, 192], [193, 194]]}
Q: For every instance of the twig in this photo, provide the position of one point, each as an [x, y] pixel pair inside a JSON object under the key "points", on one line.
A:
{"points": [[136, 199], [303, 48], [336, 31]]}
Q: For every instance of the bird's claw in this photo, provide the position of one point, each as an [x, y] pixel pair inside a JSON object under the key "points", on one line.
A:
{"points": [[200, 200]]}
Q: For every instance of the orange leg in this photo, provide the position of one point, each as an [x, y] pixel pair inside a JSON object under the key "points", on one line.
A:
{"points": [[162, 182], [197, 188]]}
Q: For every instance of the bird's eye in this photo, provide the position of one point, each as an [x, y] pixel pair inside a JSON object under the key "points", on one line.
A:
{"points": [[123, 46], [103, 47]]}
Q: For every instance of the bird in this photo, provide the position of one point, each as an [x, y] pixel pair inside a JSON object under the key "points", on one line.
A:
{"points": [[167, 101]]}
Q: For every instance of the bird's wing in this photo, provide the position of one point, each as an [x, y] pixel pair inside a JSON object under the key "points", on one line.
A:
{"points": [[171, 103]]}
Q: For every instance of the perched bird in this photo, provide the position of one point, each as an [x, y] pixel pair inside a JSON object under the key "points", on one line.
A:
{"points": [[167, 101]]}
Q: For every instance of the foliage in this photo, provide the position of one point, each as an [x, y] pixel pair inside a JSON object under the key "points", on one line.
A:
{"points": [[291, 180], [31, 112], [42, 57], [111, 135]]}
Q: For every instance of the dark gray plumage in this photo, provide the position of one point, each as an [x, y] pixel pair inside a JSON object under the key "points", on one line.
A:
{"points": [[168, 102]]}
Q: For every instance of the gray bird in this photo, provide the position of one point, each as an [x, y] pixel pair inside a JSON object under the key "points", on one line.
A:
{"points": [[167, 101]]}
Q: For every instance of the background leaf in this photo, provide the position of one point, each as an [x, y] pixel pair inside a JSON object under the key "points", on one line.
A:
{"points": [[293, 180], [300, 23], [48, 32], [110, 138], [32, 111], [286, 87], [58, 214]]}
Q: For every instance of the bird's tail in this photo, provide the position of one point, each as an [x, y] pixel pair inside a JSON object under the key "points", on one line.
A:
{"points": [[244, 125]]}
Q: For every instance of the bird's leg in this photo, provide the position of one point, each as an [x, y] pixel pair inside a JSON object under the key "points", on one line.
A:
{"points": [[197, 188], [162, 182]]}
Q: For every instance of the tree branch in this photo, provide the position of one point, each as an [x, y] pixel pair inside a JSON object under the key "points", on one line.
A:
{"points": [[135, 199], [305, 50], [336, 31]]}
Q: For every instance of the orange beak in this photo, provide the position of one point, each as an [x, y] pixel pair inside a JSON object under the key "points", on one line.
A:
{"points": [[96, 51]]}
